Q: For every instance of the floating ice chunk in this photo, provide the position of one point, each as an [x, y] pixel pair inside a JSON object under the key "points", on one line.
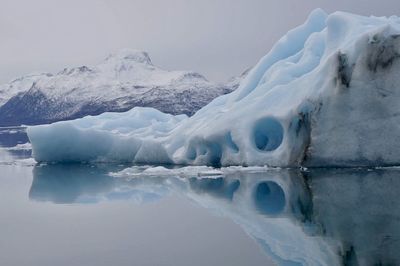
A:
{"points": [[161, 171], [24, 146], [327, 94]]}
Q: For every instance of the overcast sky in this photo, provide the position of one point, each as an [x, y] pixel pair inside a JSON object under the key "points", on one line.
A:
{"points": [[218, 38]]}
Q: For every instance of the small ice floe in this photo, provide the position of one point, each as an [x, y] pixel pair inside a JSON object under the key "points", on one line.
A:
{"points": [[161, 171], [187, 171], [22, 146]]}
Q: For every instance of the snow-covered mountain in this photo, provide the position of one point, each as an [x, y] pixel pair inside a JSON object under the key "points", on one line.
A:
{"points": [[122, 81]]}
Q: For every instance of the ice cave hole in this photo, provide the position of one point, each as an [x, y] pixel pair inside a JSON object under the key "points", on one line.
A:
{"points": [[212, 151], [211, 148], [268, 134], [230, 143], [269, 198], [191, 153]]}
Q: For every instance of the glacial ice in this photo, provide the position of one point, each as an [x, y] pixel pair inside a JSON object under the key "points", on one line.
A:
{"points": [[327, 94]]}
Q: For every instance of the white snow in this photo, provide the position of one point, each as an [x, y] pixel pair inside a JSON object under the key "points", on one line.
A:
{"points": [[121, 74], [327, 94], [19, 85]]}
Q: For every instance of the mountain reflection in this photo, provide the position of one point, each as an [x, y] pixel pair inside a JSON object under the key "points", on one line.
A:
{"points": [[318, 217]]}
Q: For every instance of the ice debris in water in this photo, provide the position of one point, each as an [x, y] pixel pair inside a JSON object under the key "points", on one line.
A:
{"points": [[327, 94], [21, 146], [161, 171], [186, 171]]}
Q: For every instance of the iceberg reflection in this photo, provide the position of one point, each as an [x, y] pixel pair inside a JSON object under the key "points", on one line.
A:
{"points": [[318, 217], [85, 183]]}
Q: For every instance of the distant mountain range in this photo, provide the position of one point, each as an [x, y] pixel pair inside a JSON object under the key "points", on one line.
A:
{"points": [[122, 81]]}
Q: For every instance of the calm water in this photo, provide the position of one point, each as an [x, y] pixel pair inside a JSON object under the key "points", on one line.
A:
{"points": [[84, 215]]}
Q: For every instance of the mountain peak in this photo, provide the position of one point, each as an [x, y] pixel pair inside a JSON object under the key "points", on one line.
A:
{"points": [[130, 55]]}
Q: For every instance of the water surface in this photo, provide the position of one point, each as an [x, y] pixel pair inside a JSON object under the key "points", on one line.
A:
{"points": [[83, 214]]}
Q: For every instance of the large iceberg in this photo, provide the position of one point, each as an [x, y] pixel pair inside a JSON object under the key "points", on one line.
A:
{"points": [[327, 94]]}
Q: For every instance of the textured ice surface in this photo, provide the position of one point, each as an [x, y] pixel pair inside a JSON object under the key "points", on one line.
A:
{"points": [[327, 94]]}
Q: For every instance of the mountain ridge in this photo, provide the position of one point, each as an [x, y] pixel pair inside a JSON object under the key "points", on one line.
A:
{"points": [[123, 80]]}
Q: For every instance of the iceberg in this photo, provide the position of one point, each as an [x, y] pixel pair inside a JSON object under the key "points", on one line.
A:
{"points": [[326, 95]]}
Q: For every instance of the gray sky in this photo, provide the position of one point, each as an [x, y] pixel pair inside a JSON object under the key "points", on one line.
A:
{"points": [[218, 38]]}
